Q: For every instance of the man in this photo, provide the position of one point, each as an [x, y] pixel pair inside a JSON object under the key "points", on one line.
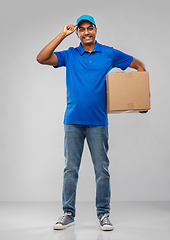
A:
{"points": [[85, 116]]}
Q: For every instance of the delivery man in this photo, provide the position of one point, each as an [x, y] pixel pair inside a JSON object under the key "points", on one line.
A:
{"points": [[86, 116]]}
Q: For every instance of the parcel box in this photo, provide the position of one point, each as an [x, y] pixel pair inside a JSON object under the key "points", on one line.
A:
{"points": [[127, 91]]}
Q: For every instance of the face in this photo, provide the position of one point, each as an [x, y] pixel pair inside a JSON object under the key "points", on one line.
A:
{"points": [[86, 32]]}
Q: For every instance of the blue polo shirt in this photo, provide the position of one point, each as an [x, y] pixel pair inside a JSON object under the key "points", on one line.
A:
{"points": [[85, 81]]}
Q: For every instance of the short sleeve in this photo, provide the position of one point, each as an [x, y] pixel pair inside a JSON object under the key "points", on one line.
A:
{"points": [[62, 58], [121, 59]]}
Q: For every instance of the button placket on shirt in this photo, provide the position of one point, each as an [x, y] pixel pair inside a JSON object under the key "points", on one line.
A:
{"points": [[90, 57]]}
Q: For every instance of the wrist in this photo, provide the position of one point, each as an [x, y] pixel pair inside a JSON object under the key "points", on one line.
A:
{"points": [[63, 35]]}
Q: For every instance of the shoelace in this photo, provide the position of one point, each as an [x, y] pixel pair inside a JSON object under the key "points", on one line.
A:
{"points": [[104, 218], [62, 218]]}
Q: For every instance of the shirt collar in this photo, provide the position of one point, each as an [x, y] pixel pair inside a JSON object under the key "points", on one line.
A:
{"points": [[97, 48]]}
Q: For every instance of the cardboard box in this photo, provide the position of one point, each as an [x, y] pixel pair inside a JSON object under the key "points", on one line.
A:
{"points": [[127, 91]]}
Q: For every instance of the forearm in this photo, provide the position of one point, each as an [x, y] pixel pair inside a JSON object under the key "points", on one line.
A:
{"points": [[141, 67], [47, 51], [137, 64]]}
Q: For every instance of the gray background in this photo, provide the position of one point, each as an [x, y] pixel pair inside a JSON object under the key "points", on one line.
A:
{"points": [[32, 101]]}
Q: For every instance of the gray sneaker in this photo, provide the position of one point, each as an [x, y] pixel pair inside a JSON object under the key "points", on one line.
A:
{"points": [[105, 223], [64, 222]]}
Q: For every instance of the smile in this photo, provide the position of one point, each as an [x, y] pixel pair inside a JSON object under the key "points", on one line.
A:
{"points": [[87, 38]]}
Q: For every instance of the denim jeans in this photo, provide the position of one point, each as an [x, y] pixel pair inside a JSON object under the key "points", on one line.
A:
{"points": [[97, 140]]}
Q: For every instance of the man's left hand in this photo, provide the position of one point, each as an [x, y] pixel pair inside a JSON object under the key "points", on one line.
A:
{"points": [[145, 111]]}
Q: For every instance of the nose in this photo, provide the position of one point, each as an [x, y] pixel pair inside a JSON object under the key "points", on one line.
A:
{"points": [[86, 31]]}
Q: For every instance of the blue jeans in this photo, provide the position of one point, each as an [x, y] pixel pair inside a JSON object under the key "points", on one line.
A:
{"points": [[97, 140]]}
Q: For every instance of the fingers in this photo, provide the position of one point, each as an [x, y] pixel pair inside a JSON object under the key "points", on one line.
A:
{"points": [[145, 111], [75, 26], [71, 27]]}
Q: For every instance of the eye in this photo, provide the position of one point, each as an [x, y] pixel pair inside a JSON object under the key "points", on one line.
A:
{"points": [[90, 28], [81, 30]]}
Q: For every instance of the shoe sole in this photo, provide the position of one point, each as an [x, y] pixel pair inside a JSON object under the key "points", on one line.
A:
{"points": [[61, 227], [106, 228]]}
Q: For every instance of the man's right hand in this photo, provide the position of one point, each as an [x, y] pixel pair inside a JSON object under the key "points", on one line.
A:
{"points": [[47, 55], [69, 29]]}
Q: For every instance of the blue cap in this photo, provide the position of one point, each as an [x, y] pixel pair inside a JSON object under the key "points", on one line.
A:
{"points": [[87, 18]]}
